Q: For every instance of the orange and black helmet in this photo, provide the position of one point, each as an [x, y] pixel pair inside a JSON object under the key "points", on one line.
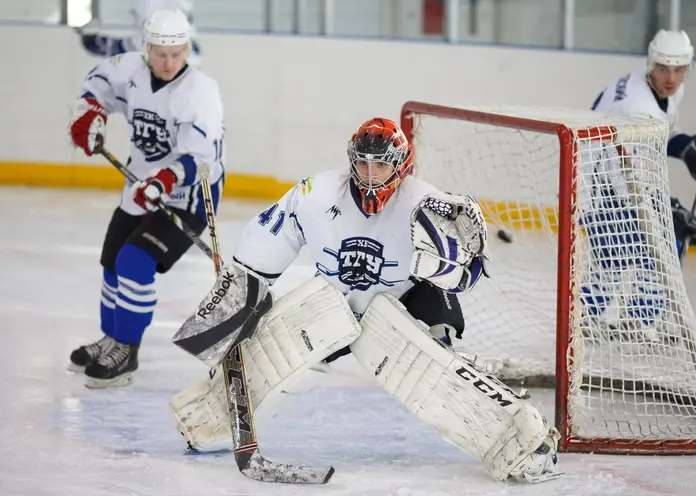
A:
{"points": [[380, 157]]}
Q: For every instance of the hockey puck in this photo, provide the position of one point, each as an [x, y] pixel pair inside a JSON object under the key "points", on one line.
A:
{"points": [[505, 235]]}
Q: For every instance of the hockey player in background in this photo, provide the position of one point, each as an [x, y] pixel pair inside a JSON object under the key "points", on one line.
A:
{"points": [[391, 254], [176, 118], [618, 242], [108, 46]]}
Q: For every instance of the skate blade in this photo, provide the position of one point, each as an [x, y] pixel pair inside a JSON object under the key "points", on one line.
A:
{"points": [[72, 367], [120, 381]]}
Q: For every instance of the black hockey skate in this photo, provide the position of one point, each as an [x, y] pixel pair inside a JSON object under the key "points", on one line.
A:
{"points": [[114, 368], [85, 355]]}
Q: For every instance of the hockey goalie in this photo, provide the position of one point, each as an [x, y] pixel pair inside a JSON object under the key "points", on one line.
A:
{"points": [[391, 254]]}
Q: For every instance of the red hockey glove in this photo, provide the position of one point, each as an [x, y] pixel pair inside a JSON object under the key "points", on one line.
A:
{"points": [[88, 128], [158, 187]]}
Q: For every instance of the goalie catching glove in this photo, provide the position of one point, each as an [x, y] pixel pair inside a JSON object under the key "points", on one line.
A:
{"points": [[450, 239]]}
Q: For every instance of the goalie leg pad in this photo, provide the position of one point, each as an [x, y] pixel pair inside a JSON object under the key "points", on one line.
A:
{"points": [[303, 327], [201, 411], [306, 326], [451, 394]]}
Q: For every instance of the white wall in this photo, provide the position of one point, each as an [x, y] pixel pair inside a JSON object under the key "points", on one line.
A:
{"points": [[291, 103]]}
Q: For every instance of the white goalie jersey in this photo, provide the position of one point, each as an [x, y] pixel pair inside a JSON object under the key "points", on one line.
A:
{"points": [[178, 122], [360, 255]]}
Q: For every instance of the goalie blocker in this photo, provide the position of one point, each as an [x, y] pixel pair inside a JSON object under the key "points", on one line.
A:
{"points": [[432, 381]]}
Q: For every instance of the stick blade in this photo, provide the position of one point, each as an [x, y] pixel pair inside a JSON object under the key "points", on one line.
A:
{"points": [[260, 469]]}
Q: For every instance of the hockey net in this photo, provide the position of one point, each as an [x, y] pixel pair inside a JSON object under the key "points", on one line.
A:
{"points": [[588, 295]]}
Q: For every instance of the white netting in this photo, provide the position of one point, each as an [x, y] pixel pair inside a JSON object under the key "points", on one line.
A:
{"points": [[631, 370]]}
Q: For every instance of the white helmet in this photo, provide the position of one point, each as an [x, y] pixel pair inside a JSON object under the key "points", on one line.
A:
{"points": [[670, 48], [167, 28]]}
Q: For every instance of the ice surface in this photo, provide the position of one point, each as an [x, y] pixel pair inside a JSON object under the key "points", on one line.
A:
{"points": [[59, 438]]}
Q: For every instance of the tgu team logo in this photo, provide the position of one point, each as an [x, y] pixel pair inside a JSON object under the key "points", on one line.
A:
{"points": [[360, 263], [150, 135]]}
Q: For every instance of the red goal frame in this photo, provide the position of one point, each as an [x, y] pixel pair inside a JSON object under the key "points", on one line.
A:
{"points": [[567, 139]]}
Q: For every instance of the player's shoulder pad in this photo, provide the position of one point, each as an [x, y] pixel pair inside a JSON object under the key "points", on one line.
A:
{"points": [[323, 183], [128, 61], [619, 87], [320, 188], [416, 188], [197, 96], [195, 78], [202, 87]]}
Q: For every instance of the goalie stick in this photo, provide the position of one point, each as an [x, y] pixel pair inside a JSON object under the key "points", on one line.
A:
{"points": [[246, 451]]}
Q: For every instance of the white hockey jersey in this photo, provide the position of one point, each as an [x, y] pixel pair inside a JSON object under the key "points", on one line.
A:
{"points": [[605, 183], [361, 255], [181, 121], [631, 94]]}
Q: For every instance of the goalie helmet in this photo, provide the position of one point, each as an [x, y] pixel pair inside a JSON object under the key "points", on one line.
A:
{"points": [[671, 48], [166, 28], [380, 157]]}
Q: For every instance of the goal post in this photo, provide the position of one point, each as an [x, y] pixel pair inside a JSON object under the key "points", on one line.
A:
{"points": [[586, 293]]}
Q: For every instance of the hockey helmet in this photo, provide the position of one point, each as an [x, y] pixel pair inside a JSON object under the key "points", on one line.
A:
{"points": [[379, 143], [166, 28], [671, 48]]}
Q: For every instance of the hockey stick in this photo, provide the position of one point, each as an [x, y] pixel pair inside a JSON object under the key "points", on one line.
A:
{"points": [[190, 233], [246, 451]]}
